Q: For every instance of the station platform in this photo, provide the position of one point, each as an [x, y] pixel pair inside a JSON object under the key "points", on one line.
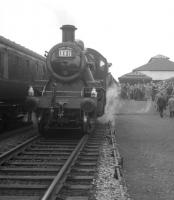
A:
{"points": [[135, 107], [146, 142]]}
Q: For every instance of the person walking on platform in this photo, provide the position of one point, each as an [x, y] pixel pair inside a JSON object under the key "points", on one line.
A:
{"points": [[171, 105], [161, 102]]}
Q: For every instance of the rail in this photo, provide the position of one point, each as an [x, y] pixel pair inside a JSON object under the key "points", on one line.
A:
{"points": [[15, 150], [58, 180], [9, 133]]}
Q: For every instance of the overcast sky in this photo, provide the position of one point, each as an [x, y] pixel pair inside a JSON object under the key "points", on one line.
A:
{"points": [[127, 32]]}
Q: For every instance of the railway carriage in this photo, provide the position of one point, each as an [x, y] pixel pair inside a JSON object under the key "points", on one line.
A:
{"points": [[75, 94], [19, 68]]}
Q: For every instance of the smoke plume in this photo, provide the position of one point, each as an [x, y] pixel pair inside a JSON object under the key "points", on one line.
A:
{"points": [[112, 104]]}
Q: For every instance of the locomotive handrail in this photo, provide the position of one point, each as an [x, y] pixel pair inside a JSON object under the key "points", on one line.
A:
{"points": [[65, 93], [58, 91]]}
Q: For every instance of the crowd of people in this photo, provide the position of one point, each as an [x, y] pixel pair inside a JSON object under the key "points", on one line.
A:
{"points": [[161, 93], [136, 91]]}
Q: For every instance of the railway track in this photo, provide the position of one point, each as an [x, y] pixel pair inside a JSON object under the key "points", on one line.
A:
{"points": [[14, 138], [10, 133], [45, 168], [78, 183]]}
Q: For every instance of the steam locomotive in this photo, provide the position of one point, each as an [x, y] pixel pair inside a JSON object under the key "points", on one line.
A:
{"points": [[75, 94]]}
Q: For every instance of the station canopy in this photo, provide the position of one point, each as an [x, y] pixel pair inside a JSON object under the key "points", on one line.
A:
{"points": [[170, 79], [135, 77]]}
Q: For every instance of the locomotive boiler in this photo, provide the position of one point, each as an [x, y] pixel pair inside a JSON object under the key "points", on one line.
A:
{"points": [[75, 94]]}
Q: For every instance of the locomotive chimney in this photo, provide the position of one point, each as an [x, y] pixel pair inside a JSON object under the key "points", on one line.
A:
{"points": [[68, 33]]}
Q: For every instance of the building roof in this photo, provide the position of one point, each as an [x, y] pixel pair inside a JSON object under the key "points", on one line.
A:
{"points": [[135, 76], [18, 47], [157, 63]]}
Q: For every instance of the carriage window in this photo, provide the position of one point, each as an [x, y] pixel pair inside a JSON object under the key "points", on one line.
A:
{"points": [[27, 70], [37, 70], [1, 64], [13, 67], [44, 72], [41, 72]]}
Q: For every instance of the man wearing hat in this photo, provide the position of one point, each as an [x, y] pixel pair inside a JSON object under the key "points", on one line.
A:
{"points": [[161, 102], [171, 105]]}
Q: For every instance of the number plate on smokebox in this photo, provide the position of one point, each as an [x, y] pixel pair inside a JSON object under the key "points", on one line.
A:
{"points": [[65, 53]]}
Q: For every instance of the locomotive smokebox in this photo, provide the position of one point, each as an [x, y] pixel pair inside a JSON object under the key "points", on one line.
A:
{"points": [[68, 33]]}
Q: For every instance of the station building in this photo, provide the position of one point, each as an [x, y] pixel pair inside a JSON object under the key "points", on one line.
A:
{"points": [[158, 68]]}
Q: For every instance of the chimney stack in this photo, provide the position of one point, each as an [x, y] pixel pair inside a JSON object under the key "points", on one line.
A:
{"points": [[68, 33]]}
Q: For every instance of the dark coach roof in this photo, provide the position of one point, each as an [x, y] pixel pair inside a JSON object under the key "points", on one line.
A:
{"points": [[18, 47], [157, 63]]}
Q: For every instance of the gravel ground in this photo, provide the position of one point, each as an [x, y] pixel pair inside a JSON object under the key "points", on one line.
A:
{"points": [[146, 144], [106, 186], [12, 141]]}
